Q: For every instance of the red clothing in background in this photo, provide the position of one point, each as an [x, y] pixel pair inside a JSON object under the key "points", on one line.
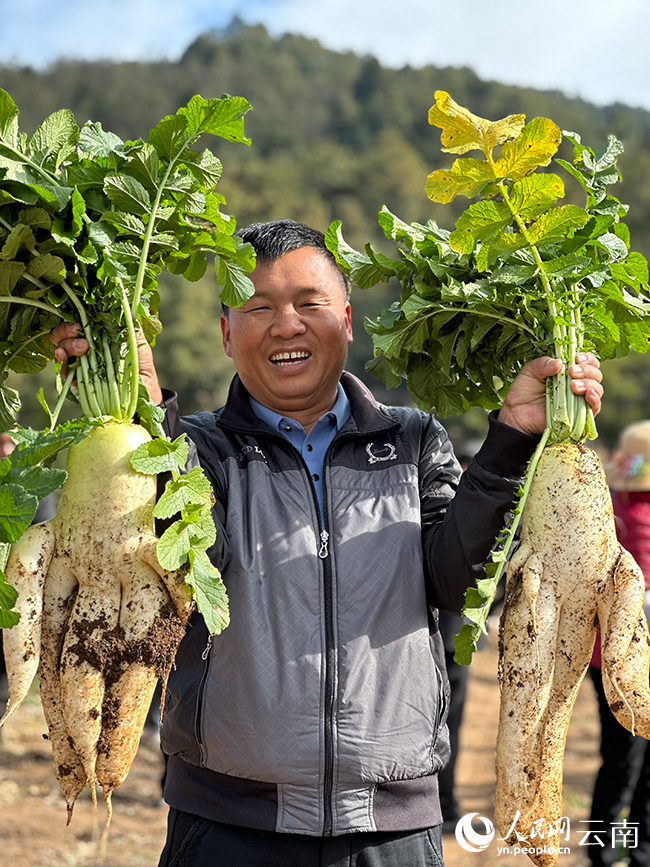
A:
{"points": [[632, 516]]}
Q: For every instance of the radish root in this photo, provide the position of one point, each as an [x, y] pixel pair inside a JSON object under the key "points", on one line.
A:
{"points": [[569, 577], [100, 619]]}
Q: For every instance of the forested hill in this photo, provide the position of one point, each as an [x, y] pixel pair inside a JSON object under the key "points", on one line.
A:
{"points": [[334, 136]]}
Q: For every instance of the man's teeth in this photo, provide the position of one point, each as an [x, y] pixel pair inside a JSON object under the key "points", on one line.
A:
{"points": [[282, 358]]}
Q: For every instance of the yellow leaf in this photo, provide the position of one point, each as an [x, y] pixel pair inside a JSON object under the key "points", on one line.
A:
{"points": [[535, 147], [466, 177], [463, 131]]}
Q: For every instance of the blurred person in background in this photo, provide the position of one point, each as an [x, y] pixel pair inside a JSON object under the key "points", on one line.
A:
{"points": [[622, 786]]}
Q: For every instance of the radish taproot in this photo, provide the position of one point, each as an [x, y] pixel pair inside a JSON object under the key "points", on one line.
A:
{"points": [[518, 278], [28, 564], [569, 578], [93, 601]]}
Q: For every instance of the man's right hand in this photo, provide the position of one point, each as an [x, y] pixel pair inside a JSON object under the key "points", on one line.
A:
{"points": [[69, 342]]}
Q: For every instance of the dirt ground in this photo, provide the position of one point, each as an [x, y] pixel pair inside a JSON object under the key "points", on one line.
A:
{"points": [[33, 830]]}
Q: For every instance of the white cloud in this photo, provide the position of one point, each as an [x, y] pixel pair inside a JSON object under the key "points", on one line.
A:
{"points": [[39, 32], [593, 48]]}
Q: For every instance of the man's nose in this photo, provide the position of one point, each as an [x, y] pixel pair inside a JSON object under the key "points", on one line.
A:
{"points": [[287, 322]]}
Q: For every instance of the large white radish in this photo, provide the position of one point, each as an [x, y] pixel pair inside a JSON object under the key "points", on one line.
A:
{"points": [[569, 577]]}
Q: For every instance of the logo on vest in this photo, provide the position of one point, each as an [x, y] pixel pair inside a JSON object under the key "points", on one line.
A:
{"points": [[247, 452], [376, 454]]}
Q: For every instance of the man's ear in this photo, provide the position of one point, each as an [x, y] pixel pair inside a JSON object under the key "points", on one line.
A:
{"points": [[348, 322], [225, 334]]}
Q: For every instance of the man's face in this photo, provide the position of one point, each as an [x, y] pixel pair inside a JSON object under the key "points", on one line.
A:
{"points": [[289, 341]]}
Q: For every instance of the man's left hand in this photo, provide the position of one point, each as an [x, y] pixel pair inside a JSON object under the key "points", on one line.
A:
{"points": [[525, 405]]}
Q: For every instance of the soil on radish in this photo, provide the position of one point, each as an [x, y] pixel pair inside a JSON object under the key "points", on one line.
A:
{"points": [[111, 653]]}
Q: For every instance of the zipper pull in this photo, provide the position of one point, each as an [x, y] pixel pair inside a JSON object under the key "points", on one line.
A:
{"points": [[324, 551], [208, 648]]}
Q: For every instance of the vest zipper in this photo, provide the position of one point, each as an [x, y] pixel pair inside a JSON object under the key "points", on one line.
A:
{"points": [[331, 654], [205, 656], [331, 663], [323, 551]]}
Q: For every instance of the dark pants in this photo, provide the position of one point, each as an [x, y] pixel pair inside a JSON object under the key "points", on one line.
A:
{"points": [[622, 781], [196, 842]]}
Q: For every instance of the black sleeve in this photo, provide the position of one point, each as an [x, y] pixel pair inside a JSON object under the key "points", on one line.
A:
{"points": [[461, 518]]}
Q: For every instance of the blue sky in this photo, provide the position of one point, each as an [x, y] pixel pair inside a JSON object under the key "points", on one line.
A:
{"points": [[596, 49]]}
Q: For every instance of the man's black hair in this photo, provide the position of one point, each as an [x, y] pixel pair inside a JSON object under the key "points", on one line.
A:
{"points": [[274, 239]]}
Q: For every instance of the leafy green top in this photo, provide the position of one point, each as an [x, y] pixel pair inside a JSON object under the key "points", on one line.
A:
{"points": [[506, 285], [87, 223]]}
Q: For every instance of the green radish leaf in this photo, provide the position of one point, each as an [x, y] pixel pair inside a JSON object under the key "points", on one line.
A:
{"points": [[231, 272], [101, 234], [466, 641], [380, 368], [36, 218], [8, 599], [17, 510], [362, 269], [9, 407], [205, 167], [94, 142], [21, 237], [8, 119], [223, 117], [39, 481], [55, 138], [160, 456], [191, 488], [125, 222], [194, 529], [48, 268], [43, 402], [202, 530], [174, 545], [534, 194], [10, 274], [482, 221], [556, 224], [127, 194], [37, 446], [209, 592], [150, 415]]}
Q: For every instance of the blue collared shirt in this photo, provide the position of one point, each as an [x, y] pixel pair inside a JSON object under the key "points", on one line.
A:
{"points": [[313, 445]]}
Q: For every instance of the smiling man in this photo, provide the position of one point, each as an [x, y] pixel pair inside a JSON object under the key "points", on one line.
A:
{"points": [[289, 341], [312, 730]]}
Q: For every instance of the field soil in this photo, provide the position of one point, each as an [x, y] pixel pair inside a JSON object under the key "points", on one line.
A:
{"points": [[33, 830]]}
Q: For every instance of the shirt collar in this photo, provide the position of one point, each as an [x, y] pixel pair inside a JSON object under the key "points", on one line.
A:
{"points": [[340, 412]]}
